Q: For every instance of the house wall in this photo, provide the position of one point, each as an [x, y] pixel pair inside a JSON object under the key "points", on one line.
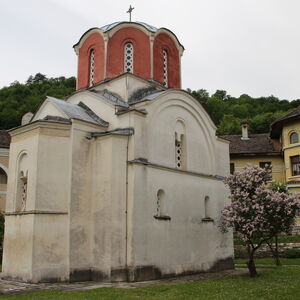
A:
{"points": [[291, 150], [278, 170]]}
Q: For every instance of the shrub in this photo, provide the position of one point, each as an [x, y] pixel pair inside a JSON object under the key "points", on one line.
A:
{"points": [[291, 253]]}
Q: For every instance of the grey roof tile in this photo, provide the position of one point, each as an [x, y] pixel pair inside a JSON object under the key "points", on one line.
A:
{"points": [[74, 111], [110, 97]]}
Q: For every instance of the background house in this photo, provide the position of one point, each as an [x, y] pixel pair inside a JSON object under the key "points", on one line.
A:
{"points": [[4, 153]]}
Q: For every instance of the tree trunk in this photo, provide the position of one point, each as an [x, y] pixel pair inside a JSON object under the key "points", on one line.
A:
{"points": [[275, 252], [251, 264], [278, 263]]}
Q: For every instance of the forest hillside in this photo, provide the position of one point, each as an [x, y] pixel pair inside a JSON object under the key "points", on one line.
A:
{"points": [[227, 112]]}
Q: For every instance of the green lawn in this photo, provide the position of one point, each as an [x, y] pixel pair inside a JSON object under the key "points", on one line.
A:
{"points": [[278, 283]]}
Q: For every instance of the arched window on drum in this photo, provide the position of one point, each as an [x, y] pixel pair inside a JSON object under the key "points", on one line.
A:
{"points": [[165, 67], [128, 57], [91, 67]]}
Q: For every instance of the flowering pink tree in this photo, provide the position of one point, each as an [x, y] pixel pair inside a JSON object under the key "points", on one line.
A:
{"points": [[257, 214]]}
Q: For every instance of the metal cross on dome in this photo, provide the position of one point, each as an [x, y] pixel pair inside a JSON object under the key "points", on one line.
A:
{"points": [[129, 11]]}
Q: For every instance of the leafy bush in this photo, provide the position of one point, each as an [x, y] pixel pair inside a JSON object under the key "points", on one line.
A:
{"points": [[291, 253]]}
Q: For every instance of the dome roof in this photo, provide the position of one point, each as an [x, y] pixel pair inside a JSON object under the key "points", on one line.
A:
{"points": [[112, 25]]}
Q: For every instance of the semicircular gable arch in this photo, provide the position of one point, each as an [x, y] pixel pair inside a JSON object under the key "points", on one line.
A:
{"points": [[186, 97], [163, 104], [93, 43], [120, 26], [84, 37], [173, 37], [164, 43]]}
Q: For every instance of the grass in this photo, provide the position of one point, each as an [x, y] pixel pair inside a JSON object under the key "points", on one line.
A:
{"points": [[280, 283]]}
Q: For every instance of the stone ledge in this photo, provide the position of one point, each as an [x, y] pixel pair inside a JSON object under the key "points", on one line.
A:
{"points": [[162, 217], [35, 212]]}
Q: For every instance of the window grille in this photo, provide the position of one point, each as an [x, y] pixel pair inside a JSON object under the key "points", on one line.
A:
{"points": [[178, 153], [165, 57], [128, 58], [92, 67]]}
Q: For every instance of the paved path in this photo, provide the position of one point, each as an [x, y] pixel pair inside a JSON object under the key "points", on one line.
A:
{"points": [[9, 287]]}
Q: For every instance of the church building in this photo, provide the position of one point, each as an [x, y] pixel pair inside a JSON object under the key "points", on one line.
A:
{"points": [[121, 181]]}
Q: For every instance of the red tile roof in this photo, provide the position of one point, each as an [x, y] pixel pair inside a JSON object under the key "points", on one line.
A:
{"points": [[256, 144]]}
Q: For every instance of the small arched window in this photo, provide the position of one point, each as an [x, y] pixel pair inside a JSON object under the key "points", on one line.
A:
{"points": [[180, 149], [128, 58], [91, 67], [294, 138], [160, 208], [165, 66], [22, 182], [3, 177], [207, 207]]}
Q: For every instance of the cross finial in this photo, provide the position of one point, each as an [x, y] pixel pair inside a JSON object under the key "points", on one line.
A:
{"points": [[129, 11]]}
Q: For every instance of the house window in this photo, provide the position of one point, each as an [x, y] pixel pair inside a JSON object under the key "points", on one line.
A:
{"points": [[92, 67], [294, 138], [165, 58], [295, 165], [232, 168], [128, 58], [3, 177], [264, 164]]}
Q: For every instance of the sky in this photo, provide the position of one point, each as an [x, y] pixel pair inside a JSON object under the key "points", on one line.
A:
{"points": [[241, 46]]}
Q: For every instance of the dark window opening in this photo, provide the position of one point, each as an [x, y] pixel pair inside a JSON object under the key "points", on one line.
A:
{"points": [[295, 165], [232, 169], [3, 177], [264, 164]]}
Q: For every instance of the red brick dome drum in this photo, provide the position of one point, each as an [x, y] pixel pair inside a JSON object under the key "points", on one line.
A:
{"points": [[133, 47]]}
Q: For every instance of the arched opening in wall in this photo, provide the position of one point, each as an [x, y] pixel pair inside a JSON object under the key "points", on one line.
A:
{"points": [[128, 57], [91, 67], [3, 176], [22, 182], [294, 138], [161, 205], [165, 66], [207, 212], [180, 145]]}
